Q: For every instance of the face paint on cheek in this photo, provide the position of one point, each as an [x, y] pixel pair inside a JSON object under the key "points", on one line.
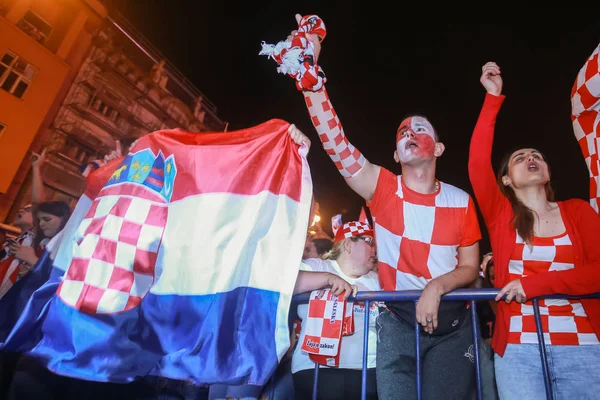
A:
{"points": [[426, 145]]}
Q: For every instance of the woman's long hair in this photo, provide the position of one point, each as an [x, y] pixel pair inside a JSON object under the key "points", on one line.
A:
{"points": [[57, 208], [524, 218]]}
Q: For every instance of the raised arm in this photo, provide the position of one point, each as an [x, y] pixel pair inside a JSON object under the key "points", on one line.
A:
{"points": [[359, 173], [585, 114], [38, 194], [481, 172]]}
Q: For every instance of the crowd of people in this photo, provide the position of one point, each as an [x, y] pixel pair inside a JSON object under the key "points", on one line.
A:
{"points": [[425, 236], [427, 239]]}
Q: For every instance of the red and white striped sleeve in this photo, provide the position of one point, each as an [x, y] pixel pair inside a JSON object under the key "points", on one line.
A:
{"points": [[585, 114]]}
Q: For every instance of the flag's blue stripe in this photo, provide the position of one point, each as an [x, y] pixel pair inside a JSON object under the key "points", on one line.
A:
{"points": [[225, 337], [23, 306]]}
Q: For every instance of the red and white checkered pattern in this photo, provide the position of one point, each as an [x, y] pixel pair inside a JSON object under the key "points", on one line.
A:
{"points": [[564, 322], [585, 105], [348, 160], [113, 265], [296, 56], [354, 228], [11, 269], [418, 235], [324, 324]]}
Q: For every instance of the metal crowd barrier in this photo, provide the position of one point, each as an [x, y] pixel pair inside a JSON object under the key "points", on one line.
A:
{"points": [[470, 295]]}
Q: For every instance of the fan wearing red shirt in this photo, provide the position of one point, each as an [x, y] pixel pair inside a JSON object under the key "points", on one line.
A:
{"points": [[541, 247], [427, 239]]}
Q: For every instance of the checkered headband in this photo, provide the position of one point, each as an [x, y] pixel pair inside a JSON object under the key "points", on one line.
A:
{"points": [[354, 228]]}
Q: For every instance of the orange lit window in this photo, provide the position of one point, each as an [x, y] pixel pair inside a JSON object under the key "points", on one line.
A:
{"points": [[35, 27], [16, 74]]}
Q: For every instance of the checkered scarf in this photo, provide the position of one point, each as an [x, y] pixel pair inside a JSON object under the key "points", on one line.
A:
{"points": [[329, 318], [296, 56]]}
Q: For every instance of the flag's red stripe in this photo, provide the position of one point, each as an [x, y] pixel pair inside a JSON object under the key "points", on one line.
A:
{"points": [[155, 181], [157, 171], [247, 162]]}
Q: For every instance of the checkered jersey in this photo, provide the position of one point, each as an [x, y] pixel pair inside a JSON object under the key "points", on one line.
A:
{"points": [[564, 322], [585, 106], [418, 235], [113, 265]]}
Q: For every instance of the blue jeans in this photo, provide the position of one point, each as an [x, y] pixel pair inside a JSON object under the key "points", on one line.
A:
{"points": [[574, 372]]}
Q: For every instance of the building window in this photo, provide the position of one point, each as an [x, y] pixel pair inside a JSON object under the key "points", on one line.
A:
{"points": [[16, 74], [105, 109], [35, 27]]}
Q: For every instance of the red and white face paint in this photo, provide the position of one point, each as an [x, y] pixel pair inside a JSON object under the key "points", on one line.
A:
{"points": [[415, 140]]}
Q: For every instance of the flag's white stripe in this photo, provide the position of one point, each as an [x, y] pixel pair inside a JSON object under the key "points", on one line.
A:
{"points": [[294, 256], [66, 246], [247, 237], [208, 230]]}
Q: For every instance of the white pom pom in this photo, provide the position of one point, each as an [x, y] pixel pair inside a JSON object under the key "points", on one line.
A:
{"points": [[291, 61], [267, 49], [273, 50]]}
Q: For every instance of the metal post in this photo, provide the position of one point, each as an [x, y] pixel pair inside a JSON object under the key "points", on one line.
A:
{"points": [[470, 295], [418, 356], [475, 328], [316, 382], [542, 344], [363, 389]]}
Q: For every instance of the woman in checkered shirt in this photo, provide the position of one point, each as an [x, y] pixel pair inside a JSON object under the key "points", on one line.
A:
{"points": [[541, 247]]}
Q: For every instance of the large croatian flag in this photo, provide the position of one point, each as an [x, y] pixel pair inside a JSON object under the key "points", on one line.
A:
{"points": [[180, 261]]}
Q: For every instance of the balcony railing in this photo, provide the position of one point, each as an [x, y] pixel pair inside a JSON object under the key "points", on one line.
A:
{"points": [[472, 296]]}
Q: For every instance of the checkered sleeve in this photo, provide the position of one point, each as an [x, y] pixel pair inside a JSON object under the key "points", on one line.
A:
{"points": [[470, 226], [585, 106], [348, 160]]}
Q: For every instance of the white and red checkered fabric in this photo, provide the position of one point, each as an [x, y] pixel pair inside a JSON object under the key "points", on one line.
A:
{"points": [[348, 160], [585, 106], [354, 228], [418, 235], [11, 268], [296, 56], [564, 322], [325, 323], [113, 265]]}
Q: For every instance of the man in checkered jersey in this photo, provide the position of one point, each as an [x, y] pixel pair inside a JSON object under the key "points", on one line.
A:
{"points": [[427, 239]]}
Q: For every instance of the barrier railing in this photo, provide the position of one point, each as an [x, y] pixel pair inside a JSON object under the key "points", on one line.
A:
{"points": [[472, 296]]}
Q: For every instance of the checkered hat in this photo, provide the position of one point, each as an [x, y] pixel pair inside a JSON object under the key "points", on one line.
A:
{"points": [[354, 228]]}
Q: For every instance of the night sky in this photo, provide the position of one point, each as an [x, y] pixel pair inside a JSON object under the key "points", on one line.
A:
{"points": [[382, 65]]}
